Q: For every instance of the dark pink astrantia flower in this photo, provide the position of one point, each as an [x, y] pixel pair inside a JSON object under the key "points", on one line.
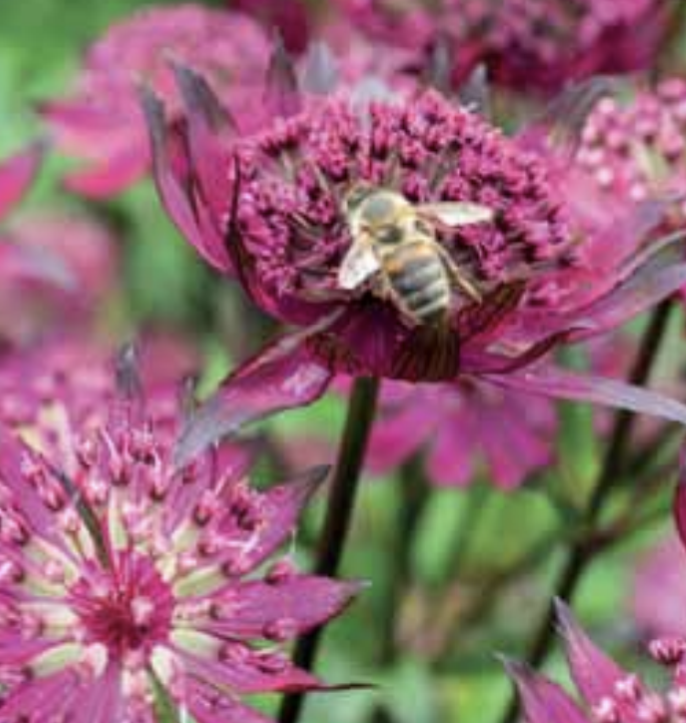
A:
{"points": [[527, 45], [103, 123], [609, 694], [269, 210], [123, 580], [457, 426]]}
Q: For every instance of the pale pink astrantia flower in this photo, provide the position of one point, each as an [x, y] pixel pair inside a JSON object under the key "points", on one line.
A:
{"points": [[123, 583], [609, 694], [539, 45], [268, 211], [459, 426], [102, 122]]}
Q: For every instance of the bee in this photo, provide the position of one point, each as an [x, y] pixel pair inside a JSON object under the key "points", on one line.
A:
{"points": [[395, 246]]}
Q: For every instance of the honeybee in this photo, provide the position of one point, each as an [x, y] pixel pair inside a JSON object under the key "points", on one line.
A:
{"points": [[395, 246]]}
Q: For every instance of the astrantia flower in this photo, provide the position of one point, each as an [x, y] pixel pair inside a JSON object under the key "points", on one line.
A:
{"points": [[103, 123], [540, 44], [457, 426], [637, 150], [609, 693], [269, 210], [124, 583]]}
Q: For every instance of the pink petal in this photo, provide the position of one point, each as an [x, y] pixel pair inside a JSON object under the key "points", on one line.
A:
{"points": [[451, 457], [552, 381], [173, 192], [281, 609], [679, 506], [282, 96], [16, 173], [542, 700], [245, 670], [110, 175], [279, 510], [593, 672], [282, 376], [207, 705]]}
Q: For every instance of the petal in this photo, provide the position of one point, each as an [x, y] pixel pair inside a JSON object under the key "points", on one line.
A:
{"points": [[110, 175], [452, 455], [207, 705], [284, 375], [558, 383], [282, 95], [279, 510], [680, 499], [173, 190], [281, 609], [246, 670], [542, 700], [16, 174], [594, 673]]}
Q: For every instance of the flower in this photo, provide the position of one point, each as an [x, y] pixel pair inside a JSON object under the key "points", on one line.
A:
{"points": [[456, 425], [123, 582], [269, 210], [56, 268], [102, 122], [637, 149], [290, 17], [663, 568], [531, 46], [610, 694]]}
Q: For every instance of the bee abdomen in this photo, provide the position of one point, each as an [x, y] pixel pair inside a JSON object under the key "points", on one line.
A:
{"points": [[418, 277]]}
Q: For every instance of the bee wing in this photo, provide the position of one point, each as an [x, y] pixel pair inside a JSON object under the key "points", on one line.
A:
{"points": [[359, 263], [458, 213]]}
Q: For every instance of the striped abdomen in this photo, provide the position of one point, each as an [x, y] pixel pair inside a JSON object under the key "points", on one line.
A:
{"points": [[419, 280]]}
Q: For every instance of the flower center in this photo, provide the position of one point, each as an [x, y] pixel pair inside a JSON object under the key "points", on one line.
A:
{"points": [[127, 609]]}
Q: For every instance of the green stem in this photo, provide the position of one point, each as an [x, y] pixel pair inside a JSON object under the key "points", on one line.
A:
{"points": [[351, 453], [581, 553]]}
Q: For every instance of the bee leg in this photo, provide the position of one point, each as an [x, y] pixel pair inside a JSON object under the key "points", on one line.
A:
{"points": [[458, 278]]}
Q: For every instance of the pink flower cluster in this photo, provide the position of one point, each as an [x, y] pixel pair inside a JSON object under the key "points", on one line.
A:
{"points": [[121, 573]]}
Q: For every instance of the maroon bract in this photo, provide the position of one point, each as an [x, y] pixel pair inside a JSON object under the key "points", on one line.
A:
{"points": [[539, 45], [123, 581], [103, 123], [610, 694], [459, 425]]}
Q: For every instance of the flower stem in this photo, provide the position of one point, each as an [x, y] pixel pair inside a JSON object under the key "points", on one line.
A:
{"points": [[581, 553], [351, 453]]}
